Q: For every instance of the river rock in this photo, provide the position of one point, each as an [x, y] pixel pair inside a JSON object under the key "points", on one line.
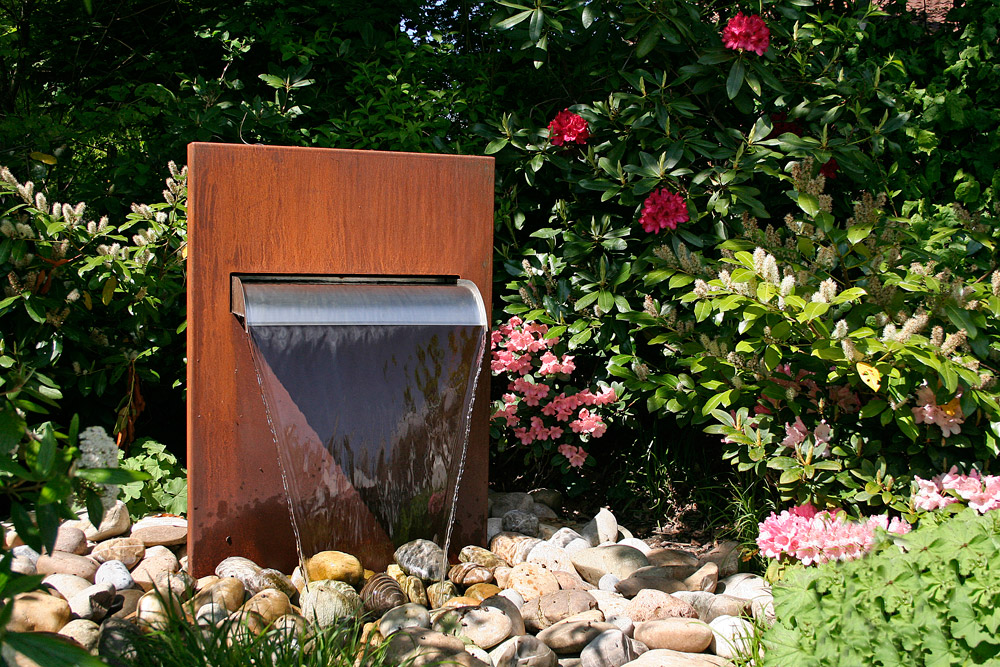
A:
{"points": [[510, 608], [532, 580], [115, 522], [480, 592], [158, 560], [513, 547], [687, 635], [709, 606], [542, 612], [623, 623], [153, 611], [211, 614], [129, 600], [744, 585], [128, 550], [327, 601], [118, 640], [335, 566], [422, 558], [619, 560], [664, 657], [636, 543], [22, 565], [469, 574], [164, 531], [62, 562], [513, 596], [94, 602], [381, 593], [726, 555], [270, 603], [677, 564], [240, 568], [38, 612], [65, 585], [271, 578], [24, 551], [611, 648], [501, 503], [543, 513], [602, 529], [178, 585], [651, 605], [84, 632], [420, 646], [571, 581], [501, 575], [570, 636], [494, 526], [415, 590], [523, 651], [706, 578], [440, 592], [227, 591], [608, 582], [519, 521], [547, 530], [408, 615], [610, 604], [486, 626], [71, 539], [730, 636], [481, 556], [631, 586], [552, 557], [564, 536], [549, 497]]}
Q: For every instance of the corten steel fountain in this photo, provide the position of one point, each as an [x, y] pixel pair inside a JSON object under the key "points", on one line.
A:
{"points": [[359, 279]]}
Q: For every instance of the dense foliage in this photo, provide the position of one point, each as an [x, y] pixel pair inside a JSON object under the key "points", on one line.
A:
{"points": [[926, 598]]}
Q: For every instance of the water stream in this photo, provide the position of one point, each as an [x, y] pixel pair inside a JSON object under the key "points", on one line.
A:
{"points": [[369, 408]]}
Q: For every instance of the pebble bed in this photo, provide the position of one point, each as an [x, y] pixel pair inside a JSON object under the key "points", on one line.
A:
{"points": [[542, 595]]}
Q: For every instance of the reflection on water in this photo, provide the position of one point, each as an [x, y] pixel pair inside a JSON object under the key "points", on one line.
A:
{"points": [[371, 424]]}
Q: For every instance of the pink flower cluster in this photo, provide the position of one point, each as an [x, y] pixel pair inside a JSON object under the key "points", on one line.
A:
{"points": [[576, 455], [797, 433], [948, 417], [981, 492], [811, 536], [568, 128], [514, 347], [801, 384], [663, 210], [746, 33]]}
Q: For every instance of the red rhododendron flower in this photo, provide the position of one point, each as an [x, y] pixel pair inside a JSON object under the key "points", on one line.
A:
{"points": [[663, 210], [567, 128], [780, 125], [746, 33], [829, 168]]}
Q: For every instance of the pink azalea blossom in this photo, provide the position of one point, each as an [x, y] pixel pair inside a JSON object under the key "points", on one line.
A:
{"points": [[576, 455]]}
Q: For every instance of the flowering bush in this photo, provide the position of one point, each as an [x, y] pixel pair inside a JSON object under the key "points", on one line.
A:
{"points": [[812, 536], [663, 210], [532, 412]]}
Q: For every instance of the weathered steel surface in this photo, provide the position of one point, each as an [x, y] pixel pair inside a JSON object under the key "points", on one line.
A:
{"points": [[277, 210]]}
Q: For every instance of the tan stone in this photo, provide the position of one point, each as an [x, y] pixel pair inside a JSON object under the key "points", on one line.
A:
{"points": [[650, 605], [161, 530], [158, 560], [688, 635], [480, 592], [270, 603], [335, 565], [61, 562], [706, 578], [532, 580], [65, 585], [541, 612], [468, 574], [570, 636], [227, 591], [71, 539], [115, 522], [38, 612], [129, 550]]}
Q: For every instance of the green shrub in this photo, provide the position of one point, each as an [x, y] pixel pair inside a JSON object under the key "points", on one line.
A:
{"points": [[927, 598]]}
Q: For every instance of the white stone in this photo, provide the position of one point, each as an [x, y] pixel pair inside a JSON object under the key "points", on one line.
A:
{"points": [[730, 636], [115, 573], [637, 544]]}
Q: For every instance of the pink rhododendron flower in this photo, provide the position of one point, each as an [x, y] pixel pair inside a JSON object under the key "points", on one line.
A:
{"points": [[829, 169], [795, 434], [509, 413], [576, 455], [746, 33], [981, 492], [567, 128], [663, 210], [588, 423], [818, 537], [947, 417]]}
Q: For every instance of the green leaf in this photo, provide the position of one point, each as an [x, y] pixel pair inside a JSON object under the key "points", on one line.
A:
{"points": [[272, 80], [495, 146], [735, 80], [858, 233], [605, 301], [512, 21], [11, 431], [647, 42], [112, 475], [535, 27], [702, 309], [808, 203], [109, 290], [962, 319], [51, 651], [589, 15], [813, 310]]}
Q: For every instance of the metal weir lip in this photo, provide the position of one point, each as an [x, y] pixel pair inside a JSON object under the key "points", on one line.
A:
{"points": [[267, 301]]}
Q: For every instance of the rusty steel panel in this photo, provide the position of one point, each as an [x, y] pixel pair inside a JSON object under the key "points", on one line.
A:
{"points": [[309, 211]]}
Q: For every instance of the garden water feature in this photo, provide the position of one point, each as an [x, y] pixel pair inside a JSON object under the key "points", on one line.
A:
{"points": [[368, 387]]}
